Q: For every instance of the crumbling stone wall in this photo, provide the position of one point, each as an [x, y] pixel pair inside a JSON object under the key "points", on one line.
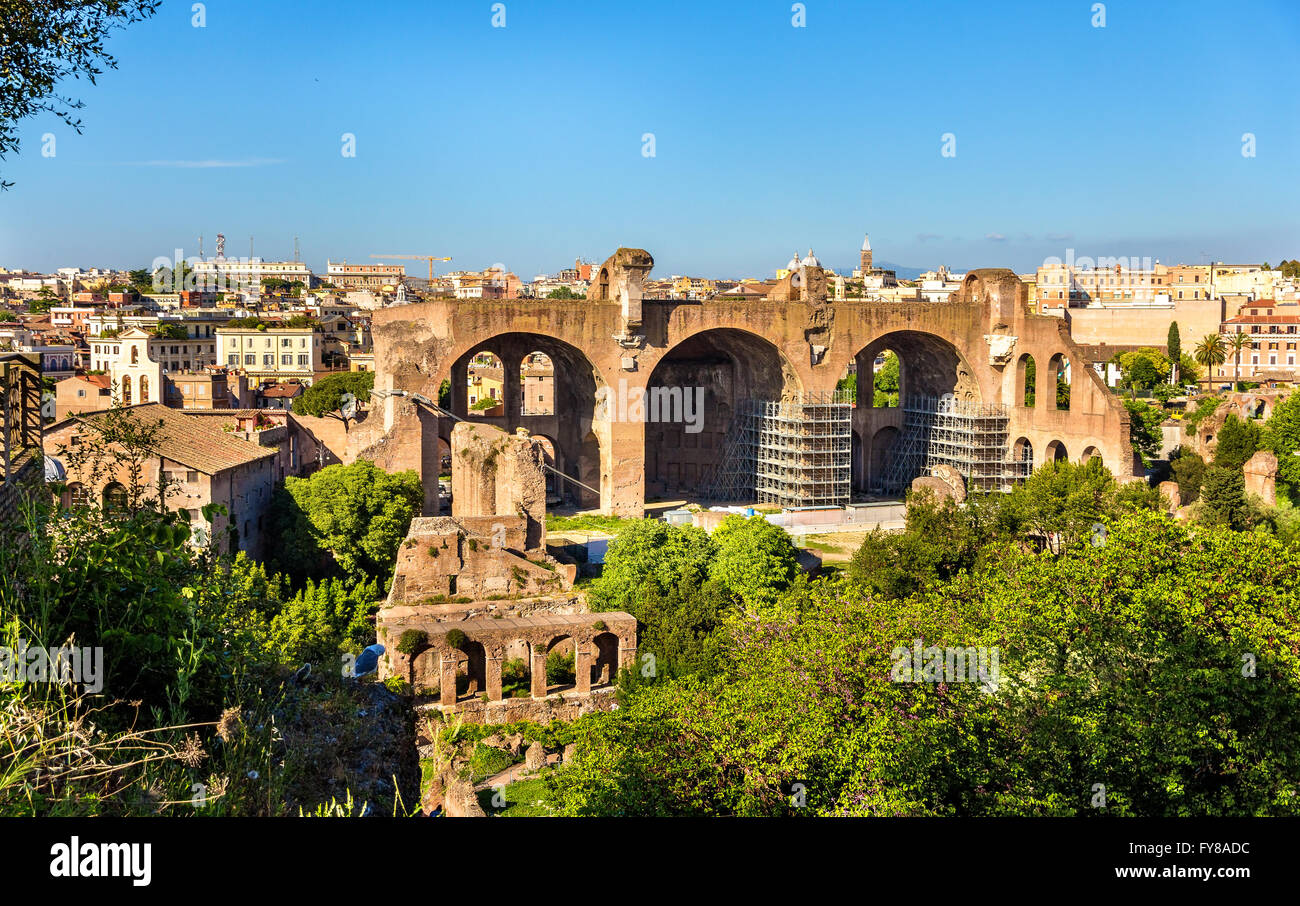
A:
{"points": [[494, 473], [472, 557]]}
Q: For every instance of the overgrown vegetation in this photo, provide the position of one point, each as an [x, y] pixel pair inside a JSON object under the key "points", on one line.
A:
{"points": [[204, 702]]}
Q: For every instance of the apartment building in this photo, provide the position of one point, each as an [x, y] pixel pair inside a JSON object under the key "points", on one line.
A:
{"points": [[365, 276], [248, 272], [1274, 331], [271, 353]]}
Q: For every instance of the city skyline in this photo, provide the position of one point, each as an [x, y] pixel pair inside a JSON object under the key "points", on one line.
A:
{"points": [[515, 155]]}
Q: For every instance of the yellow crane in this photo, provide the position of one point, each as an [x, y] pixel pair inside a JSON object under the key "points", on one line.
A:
{"points": [[428, 258]]}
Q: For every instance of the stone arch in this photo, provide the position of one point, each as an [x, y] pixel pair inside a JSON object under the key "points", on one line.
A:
{"points": [[1060, 382], [691, 400], [1055, 452], [1023, 451], [550, 456], [561, 661], [485, 381], [602, 283], [114, 496], [516, 669], [604, 666], [471, 660], [426, 671], [1026, 381], [886, 359], [928, 366], [537, 384], [577, 391], [1090, 452]]}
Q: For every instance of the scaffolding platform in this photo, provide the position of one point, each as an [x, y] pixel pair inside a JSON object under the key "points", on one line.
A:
{"points": [[970, 437], [795, 452]]}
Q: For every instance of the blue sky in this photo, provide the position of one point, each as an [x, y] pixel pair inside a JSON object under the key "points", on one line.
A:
{"points": [[523, 145]]}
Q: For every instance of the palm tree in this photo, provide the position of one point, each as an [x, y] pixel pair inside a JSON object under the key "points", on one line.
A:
{"points": [[1238, 342], [1210, 352]]}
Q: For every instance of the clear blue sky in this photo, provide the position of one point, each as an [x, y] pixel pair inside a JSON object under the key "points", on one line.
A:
{"points": [[522, 144]]}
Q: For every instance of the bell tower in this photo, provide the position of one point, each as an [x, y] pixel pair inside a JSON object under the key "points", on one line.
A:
{"points": [[866, 254]]}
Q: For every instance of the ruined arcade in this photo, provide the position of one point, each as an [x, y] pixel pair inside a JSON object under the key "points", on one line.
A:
{"points": [[963, 369]]}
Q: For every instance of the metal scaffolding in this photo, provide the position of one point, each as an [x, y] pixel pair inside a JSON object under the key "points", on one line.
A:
{"points": [[794, 453], [970, 437]]}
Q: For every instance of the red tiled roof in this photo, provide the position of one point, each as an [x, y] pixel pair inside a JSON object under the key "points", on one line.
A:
{"points": [[199, 443]]}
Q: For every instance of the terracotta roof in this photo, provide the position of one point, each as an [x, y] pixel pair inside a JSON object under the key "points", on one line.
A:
{"points": [[1264, 319], [199, 443], [278, 392]]}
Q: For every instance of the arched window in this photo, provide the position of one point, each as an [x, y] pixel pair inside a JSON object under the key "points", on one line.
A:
{"points": [[78, 495], [144, 388], [135, 355], [126, 390], [114, 496]]}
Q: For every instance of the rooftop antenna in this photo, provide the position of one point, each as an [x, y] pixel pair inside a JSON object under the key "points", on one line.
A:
{"points": [[296, 259], [200, 246]]}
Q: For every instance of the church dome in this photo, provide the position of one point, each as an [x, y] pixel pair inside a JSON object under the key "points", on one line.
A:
{"points": [[811, 260], [794, 263]]}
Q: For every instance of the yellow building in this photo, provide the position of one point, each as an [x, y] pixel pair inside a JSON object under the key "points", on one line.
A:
{"points": [[271, 353]]}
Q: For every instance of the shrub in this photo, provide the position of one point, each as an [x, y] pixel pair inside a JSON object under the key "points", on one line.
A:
{"points": [[457, 639], [412, 640]]}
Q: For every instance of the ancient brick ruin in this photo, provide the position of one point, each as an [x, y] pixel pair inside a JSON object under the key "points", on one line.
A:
{"points": [[478, 602]]}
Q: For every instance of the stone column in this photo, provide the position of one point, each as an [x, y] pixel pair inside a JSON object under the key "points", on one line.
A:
{"points": [[622, 467], [626, 653], [582, 666], [448, 696], [538, 671], [430, 461], [510, 369], [493, 669]]}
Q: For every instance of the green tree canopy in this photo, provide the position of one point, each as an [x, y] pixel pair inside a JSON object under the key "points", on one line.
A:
{"points": [[46, 43], [1120, 664], [1144, 429], [325, 397], [1237, 442], [755, 560], [354, 516]]}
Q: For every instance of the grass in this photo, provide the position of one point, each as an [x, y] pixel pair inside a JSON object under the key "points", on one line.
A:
{"points": [[588, 522], [522, 799], [486, 761]]}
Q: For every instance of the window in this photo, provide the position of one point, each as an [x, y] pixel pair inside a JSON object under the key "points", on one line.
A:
{"points": [[192, 477], [303, 361], [286, 360], [78, 494], [114, 497], [285, 342], [250, 360], [268, 360], [232, 359]]}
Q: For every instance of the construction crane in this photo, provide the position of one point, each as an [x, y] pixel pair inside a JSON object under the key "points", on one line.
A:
{"points": [[428, 258]]}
